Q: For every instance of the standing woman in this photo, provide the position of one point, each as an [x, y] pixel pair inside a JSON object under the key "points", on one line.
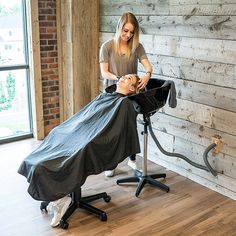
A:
{"points": [[120, 56]]}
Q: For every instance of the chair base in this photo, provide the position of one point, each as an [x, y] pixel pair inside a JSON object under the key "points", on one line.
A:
{"points": [[81, 202], [144, 179]]}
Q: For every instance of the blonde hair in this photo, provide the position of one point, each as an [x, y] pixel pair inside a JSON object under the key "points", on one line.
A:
{"points": [[133, 43]]}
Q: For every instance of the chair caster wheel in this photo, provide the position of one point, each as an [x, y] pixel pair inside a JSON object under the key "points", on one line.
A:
{"points": [[107, 198], [103, 217], [64, 224]]}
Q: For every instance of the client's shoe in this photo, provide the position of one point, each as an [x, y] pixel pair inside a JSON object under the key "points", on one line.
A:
{"points": [[132, 164], [59, 208], [109, 173], [49, 207]]}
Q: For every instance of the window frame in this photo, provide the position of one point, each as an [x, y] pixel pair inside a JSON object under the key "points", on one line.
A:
{"points": [[26, 67]]}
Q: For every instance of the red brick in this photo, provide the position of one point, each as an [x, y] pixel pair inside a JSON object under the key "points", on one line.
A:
{"points": [[52, 54], [55, 122], [52, 42], [53, 65], [46, 36], [46, 23], [55, 110], [54, 99], [47, 60], [46, 48], [49, 63], [45, 11], [51, 17], [53, 77]]}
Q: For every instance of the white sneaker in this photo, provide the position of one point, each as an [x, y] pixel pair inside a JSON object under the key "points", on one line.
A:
{"points": [[109, 173], [59, 208], [132, 164], [49, 207]]}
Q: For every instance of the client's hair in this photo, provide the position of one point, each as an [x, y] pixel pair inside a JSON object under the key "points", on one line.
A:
{"points": [[135, 85]]}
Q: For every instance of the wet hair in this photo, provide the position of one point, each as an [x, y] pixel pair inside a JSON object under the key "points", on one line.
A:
{"points": [[133, 43]]}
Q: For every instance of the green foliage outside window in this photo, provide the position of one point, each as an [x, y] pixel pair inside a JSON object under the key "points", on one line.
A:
{"points": [[7, 93]]}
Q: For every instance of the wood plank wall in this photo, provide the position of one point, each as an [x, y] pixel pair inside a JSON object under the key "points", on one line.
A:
{"points": [[193, 43]]}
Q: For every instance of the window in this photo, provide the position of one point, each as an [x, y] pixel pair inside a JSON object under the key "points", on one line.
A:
{"points": [[15, 103]]}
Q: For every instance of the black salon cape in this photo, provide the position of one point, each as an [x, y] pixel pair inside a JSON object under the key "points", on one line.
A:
{"points": [[95, 139]]}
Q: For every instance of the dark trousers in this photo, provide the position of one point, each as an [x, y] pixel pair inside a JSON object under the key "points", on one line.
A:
{"points": [[132, 157]]}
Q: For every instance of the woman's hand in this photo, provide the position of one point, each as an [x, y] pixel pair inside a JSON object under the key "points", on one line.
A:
{"points": [[143, 81]]}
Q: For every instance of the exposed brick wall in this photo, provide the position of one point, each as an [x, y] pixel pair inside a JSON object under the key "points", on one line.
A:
{"points": [[49, 63]]}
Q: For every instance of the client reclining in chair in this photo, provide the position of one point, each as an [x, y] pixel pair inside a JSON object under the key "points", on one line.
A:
{"points": [[95, 139]]}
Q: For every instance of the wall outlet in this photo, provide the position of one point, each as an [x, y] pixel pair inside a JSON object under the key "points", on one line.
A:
{"points": [[217, 139]]}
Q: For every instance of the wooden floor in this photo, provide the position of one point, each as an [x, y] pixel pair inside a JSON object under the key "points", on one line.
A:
{"points": [[188, 209]]}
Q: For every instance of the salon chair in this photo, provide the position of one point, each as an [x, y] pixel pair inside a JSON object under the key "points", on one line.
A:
{"points": [[148, 103], [81, 202]]}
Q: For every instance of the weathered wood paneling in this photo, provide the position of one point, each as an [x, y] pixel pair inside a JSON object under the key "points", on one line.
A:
{"points": [[196, 26], [204, 115], [206, 94], [223, 163], [192, 48], [201, 2], [85, 29], [201, 48], [169, 7], [192, 43], [198, 134], [65, 68], [218, 74], [154, 7], [208, 7], [221, 183]]}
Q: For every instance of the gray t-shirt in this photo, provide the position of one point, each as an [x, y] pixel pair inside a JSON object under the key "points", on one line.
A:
{"points": [[120, 65]]}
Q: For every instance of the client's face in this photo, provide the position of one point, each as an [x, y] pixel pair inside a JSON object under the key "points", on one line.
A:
{"points": [[127, 82]]}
